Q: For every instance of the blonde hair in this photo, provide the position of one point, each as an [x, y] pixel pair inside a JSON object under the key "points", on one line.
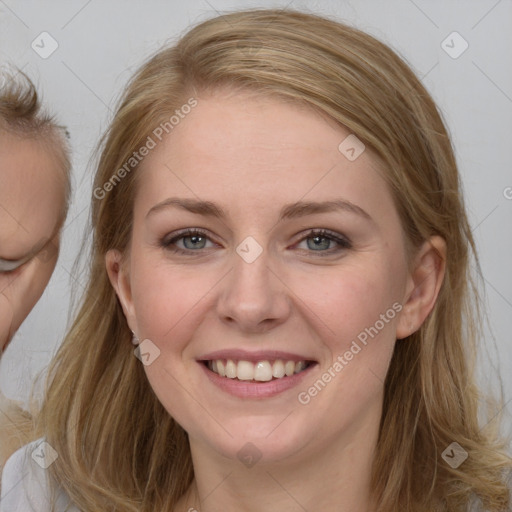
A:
{"points": [[118, 447], [16, 428]]}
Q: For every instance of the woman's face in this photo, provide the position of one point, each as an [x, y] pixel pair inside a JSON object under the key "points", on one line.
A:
{"points": [[31, 199], [259, 292]]}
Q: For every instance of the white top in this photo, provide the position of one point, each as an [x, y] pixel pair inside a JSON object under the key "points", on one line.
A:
{"points": [[25, 486]]}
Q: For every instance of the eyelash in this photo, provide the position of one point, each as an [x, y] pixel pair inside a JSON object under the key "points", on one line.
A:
{"points": [[343, 242]]}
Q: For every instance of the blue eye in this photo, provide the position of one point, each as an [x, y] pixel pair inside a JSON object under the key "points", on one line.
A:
{"points": [[321, 239], [194, 240]]}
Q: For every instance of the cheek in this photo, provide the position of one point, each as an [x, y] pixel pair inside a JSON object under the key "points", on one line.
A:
{"points": [[353, 298], [166, 298], [358, 315], [358, 307]]}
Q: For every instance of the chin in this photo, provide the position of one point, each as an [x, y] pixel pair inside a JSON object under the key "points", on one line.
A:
{"points": [[265, 440]]}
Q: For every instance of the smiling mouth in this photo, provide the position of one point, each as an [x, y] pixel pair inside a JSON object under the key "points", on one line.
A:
{"points": [[261, 371]]}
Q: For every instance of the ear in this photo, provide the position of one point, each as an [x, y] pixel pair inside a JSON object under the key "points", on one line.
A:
{"points": [[120, 280], [423, 285]]}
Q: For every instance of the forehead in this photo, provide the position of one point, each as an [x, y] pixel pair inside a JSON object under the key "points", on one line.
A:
{"points": [[250, 150], [31, 195], [244, 125]]}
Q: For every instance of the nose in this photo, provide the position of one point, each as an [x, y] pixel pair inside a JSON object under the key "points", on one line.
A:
{"points": [[254, 296]]}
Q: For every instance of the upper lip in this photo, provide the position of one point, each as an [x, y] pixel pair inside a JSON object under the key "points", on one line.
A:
{"points": [[260, 355]]}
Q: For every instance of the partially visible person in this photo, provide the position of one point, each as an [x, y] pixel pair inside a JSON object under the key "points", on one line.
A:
{"points": [[34, 197]]}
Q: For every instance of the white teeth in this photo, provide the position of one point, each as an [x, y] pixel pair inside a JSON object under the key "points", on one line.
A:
{"points": [[245, 370], [230, 369], [278, 369], [300, 366], [262, 371], [289, 368]]}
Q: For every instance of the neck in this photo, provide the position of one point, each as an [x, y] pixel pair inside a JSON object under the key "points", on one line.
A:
{"points": [[335, 479]]}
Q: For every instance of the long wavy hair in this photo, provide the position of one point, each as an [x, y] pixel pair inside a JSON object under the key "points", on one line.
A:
{"points": [[118, 447]]}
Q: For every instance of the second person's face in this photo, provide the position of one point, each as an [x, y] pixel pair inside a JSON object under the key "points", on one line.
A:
{"points": [[31, 204]]}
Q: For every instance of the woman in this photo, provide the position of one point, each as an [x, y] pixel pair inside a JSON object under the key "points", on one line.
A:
{"points": [[34, 196], [279, 230]]}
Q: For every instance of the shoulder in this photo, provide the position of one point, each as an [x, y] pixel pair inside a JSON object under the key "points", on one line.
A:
{"points": [[25, 486]]}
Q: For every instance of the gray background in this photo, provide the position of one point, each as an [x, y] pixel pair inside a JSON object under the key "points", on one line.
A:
{"points": [[101, 43]]}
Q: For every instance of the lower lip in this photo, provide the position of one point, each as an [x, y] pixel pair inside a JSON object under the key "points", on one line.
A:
{"points": [[249, 389]]}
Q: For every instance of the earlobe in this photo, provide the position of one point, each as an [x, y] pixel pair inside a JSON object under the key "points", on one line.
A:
{"points": [[120, 280], [423, 286]]}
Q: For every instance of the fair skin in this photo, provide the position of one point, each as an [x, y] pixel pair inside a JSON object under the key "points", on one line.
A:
{"points": [[31, 200], [31, 205], [251, 156]]}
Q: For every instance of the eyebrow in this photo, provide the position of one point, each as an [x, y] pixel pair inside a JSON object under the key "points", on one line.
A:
{"points": [[289, 211]]}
